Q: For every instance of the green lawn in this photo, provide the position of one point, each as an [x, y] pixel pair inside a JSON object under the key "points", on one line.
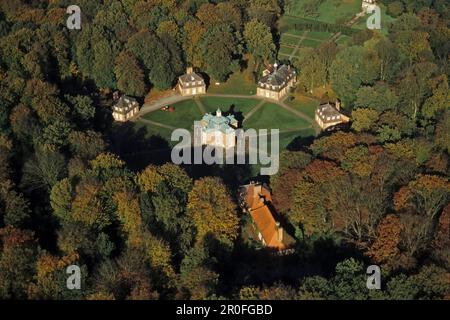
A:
{"points": [[153, 130], [289, 40], [318, 35], [226, 104], [286, 25], [287, 137], [385, 21], [272, 116], [332, 10], [343, 39], [237, 83], [329, 10], [269, 116], [186, 112], [312, 39], [304, 104], [310, 43], [285, 50]]}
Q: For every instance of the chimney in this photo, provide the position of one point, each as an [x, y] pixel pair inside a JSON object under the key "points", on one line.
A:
{"points": [[338, 104], [280, 232], [189, 70]]}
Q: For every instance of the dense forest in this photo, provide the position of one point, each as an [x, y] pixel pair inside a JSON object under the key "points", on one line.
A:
{"points": [[376, 193]]}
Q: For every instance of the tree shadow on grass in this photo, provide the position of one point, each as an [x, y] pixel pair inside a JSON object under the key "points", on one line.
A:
{"points": [[232, 175], [137, 148], [238, 115], [300, 143]]}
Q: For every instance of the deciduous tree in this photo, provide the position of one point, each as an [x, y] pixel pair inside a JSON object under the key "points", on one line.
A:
{"points": [[212, 210], [130, 77]]}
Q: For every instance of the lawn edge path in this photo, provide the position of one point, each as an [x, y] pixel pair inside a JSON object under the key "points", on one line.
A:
{"points": [[200, 105], [253, 111], [147, 108]]}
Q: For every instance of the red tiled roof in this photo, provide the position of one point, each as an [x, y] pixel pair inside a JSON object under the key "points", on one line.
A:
{"points": [[257, 198]]}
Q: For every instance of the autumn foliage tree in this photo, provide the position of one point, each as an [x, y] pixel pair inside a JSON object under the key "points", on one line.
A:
{"points": [[429, 194], [211, 208], [51, 278], [17, 262], [385, 246], [441, 241]]}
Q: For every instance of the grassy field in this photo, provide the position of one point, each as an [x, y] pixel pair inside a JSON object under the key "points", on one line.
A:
{"points": [[290, 37], [311, 43], [385, 21], [285, 51], [343, 39], [271, 116], [228, 104], [329, 10], [268, 116], [304, 104], [286, 138], [293, 129], [186, 112], [153, 130], [318, 35], [312, 39], [238, 83]]}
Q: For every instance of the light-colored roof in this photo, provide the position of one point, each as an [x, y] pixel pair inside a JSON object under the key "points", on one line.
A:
{"points": [[218, 122]]}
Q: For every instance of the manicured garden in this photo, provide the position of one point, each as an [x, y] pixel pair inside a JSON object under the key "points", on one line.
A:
{"points": [[285, 51], [289, 39], [328, 11], [318, 35], [311, 43], [265, 115]]}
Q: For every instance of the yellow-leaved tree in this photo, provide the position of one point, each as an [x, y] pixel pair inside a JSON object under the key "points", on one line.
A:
{"points": [[212, 210]]}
